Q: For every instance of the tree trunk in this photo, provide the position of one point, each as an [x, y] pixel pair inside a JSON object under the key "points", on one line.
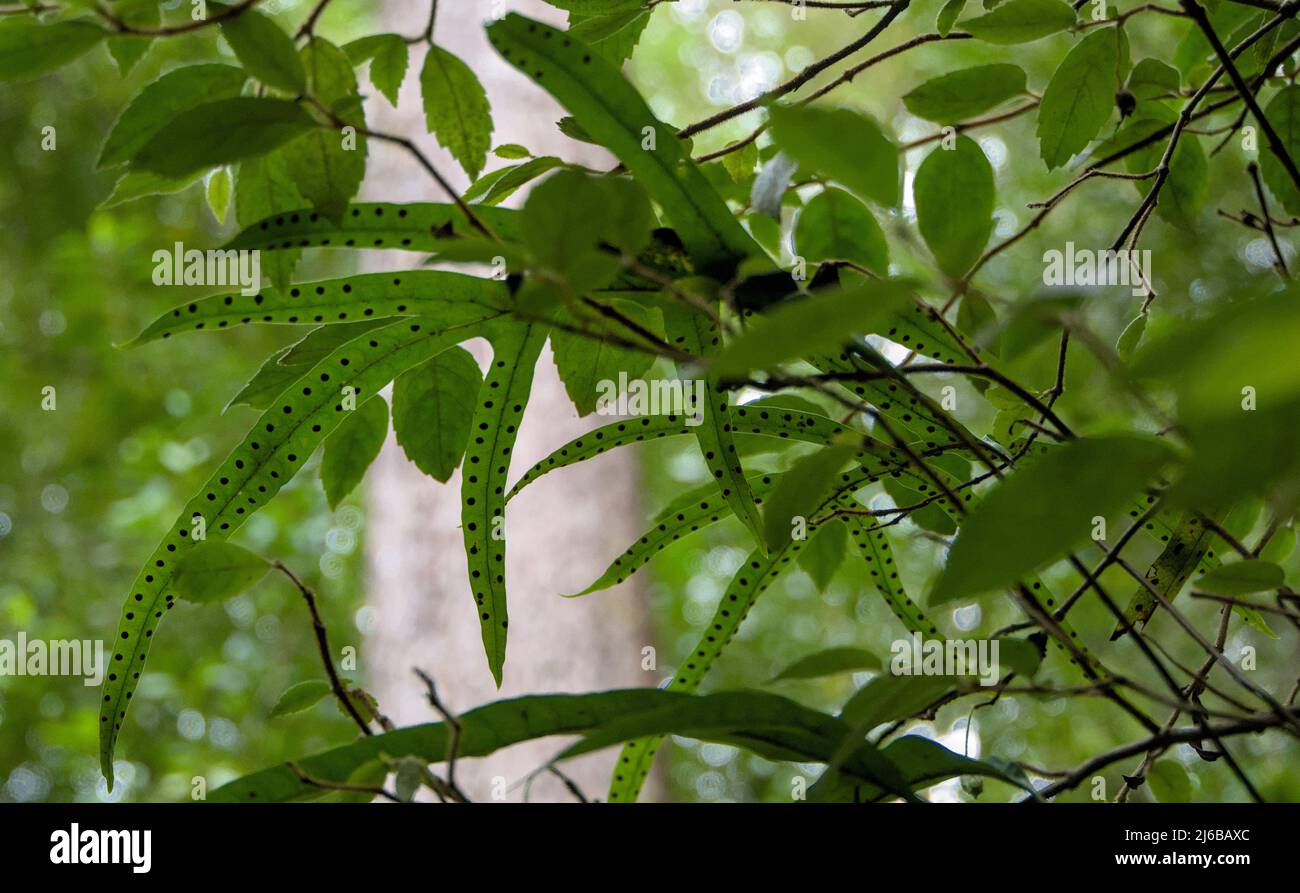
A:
{"points": [[561, 532]]}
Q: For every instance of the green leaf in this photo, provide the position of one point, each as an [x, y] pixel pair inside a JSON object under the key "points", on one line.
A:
{"points": [[422, 226], [220, 132], [951, 179], [350, 450], [611, 112], [215, 570], [613, 33], [278, 371], [139, 184], [757, 573], [157, 104], [1188, 187], [408, 778], [496, 187], [1080, 97], [695, 511], [697, 334], [269, 456], [591, 368], [825, 553], [493, 430], [328, 165], [128, 50], [734, 717], [948, 16], [218, 193], [1151, 78], [265, 50], [264, 186], [29, 49], [1020, 656], [922, 763], [432, 408], [888, 698], [846, 146], [388, 57], [1021, 21], [446, 297], [456, 109], [1283, 112], [801, 490], [1170, 782], [300, 696], [1131, 337], [836, 226], [876, 550], [831, 662], [958, 95], [1243, 578], [820, 323], [1044, 509]]}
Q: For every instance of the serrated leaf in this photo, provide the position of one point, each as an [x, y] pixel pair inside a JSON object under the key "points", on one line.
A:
{"points": [[948, 179], [301, 696], [1080, 97], [841, 144], [836, 226], [433, 405], [327, 164], [456, 109], [388, 57], [1045, 508], [591, 368], [265, 50], [215, 570], [350, 449], [1021, 21], [962, 94]]}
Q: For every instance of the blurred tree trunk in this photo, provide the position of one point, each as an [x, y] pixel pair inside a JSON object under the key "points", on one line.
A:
{"points": [[561, 532]]}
